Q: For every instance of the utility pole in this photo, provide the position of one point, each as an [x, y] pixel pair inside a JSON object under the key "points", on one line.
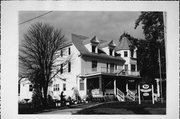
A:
{"points": [[160, 75]]}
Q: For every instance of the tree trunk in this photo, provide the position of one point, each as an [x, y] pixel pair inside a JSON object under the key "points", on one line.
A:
{"points": [[45, 95]]}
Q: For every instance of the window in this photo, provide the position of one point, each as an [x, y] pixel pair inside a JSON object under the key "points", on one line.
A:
{"points": [[132, 53], [93, 48], [61, 53], [126, 67], [61, 70], [69, 51], [115, 67], [56, 87], [30, 88], [19, 86], [69, 66], [94, 65], [111, 52], [111, 68], [133, 67], [107, 66], [125, 53], [81, 84], [64, 86]]}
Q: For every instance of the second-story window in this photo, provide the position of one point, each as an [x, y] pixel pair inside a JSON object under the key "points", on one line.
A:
{"points": [[94, 65], [61, 53], [69, 66], [111, 52], [30, 88], [115, 66], [93, 49], [61, 70], [64, 86], [111, 67], [125, 53], [56, 87], [107, 67], [133, 67], [126, 67]]}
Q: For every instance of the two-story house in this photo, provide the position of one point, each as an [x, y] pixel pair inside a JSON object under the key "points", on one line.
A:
{"points": [[95, 67]]}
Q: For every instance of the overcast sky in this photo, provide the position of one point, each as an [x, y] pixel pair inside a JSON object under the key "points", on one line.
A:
{"points": [[105, 25]]}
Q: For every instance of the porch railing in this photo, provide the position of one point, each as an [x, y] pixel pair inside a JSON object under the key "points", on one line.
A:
{"points": [[128, 72], [120, 95], [130, 95], [101, 70], [111, 71]]}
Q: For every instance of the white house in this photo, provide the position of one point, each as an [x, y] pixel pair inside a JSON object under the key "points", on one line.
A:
{"points": [[96, 66]]}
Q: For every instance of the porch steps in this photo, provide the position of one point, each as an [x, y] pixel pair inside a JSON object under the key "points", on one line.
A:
{"points": [[120, 95], [131, 96]]}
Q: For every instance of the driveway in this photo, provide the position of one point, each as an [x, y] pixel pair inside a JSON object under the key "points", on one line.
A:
{"points": [[115, 108]]}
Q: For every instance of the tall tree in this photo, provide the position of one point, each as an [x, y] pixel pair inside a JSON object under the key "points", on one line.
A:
{"points": [[39, 55], [153, 26]]}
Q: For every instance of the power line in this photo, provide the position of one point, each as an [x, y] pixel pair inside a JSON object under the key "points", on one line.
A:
{"points": [[35, 17]]}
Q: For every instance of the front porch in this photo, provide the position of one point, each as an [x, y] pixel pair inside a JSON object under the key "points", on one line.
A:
{"points": [[103, 85]]}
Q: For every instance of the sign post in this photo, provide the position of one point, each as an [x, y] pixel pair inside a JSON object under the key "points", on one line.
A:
{"points": [[152, 94], [139, 94]]}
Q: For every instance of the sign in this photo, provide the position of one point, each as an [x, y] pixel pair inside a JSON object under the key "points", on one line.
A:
{"points": [[145, 92], [145, 86], [96, 93]]}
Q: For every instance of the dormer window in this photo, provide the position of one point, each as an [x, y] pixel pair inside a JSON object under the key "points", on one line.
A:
{"points": [[93, 48], [111, 45], [111, 52], [94, 42]]}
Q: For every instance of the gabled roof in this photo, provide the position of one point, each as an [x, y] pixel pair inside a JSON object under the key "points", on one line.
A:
{"points": [[107, 43], [78, 42], [103, 56], [94, 40], [112, 44], [124, 44]]}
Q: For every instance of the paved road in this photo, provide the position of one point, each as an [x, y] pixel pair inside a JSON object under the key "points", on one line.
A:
{"points": [[73, 109]]}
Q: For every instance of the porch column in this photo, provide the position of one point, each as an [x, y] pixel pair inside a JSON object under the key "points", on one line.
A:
{"points": [[127, 87], [158, 87], [85, 86], [115, 87]]}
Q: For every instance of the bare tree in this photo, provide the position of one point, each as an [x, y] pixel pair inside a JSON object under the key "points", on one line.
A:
{"points": [[39, 55]]}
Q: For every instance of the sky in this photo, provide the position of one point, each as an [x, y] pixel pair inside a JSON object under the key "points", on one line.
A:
{"points": [[106, 25]]}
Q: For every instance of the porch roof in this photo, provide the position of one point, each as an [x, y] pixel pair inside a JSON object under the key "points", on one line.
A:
{"points": [[129, 77]]}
